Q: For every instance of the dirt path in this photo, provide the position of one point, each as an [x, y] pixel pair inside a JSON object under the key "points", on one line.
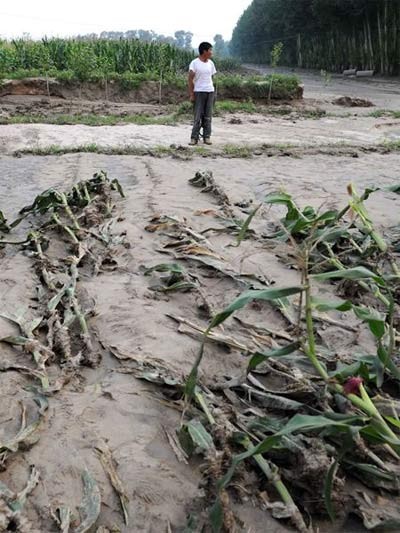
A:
{"points": [[384, 93]]}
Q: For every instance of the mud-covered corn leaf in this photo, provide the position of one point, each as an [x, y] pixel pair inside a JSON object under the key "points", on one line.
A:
{"points": [[90, 507], [200, 436], [174, 268], [115, 184], [4, 227]]}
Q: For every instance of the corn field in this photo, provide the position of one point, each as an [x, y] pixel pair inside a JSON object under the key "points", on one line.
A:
{"points": [[85, 58]]}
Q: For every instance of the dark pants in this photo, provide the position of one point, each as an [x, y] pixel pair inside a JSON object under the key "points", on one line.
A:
{"points": [[203, 107]]}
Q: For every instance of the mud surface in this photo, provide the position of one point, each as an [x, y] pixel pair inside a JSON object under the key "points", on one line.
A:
{"points": [[127, 413]]}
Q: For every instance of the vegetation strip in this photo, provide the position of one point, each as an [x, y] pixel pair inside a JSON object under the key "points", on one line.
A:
{"points": [[228, 150]]}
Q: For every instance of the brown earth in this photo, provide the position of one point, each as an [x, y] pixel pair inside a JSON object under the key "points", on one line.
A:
{"points": [[149, 92]]}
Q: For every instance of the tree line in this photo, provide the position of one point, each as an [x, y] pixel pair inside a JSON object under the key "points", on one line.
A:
{"points": [[327, 34], [181, 38]]}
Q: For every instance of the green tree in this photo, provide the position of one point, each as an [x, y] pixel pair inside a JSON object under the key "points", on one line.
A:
{"points": [[220, 46], [324, 34]]}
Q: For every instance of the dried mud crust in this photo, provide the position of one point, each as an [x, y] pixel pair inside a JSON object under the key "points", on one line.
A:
{"points": [[108, 402]]}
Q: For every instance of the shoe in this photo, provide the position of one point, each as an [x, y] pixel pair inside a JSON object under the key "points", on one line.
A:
{"points": [[193, 142], [207, 141]]}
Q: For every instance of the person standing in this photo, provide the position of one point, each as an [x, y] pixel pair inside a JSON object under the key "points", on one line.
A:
{"points": [[201, 92]]}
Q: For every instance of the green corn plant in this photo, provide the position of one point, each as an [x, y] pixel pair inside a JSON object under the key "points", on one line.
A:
{"points": [[357, 205], [308, 230], [276, 54]]}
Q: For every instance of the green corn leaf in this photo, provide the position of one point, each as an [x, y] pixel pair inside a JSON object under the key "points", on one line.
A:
{"points": [[356, 273], [280, 198], [331, 234], [216, 516], [200, 436], [246, 225], [299, 423], [328, 485], [372, 475], [49, 199], [191, 381], [327, 217], [260, 357], [337, 305], [249, 296], [393, 188], [393, 421], [374, 319]]}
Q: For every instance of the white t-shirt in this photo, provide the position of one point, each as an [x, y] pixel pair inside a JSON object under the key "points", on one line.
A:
{"points": [[204, 71]]}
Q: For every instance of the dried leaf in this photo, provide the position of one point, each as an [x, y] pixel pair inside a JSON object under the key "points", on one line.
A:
{"points": [[108, 463], [63, 518], [378, 512], [26, 436], [176, 447], [18, 504]]}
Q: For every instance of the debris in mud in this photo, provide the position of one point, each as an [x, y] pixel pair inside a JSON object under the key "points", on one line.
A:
{"points": [[108, 463], [70, 235], [205, 180], [348, 101], [12, 504]]}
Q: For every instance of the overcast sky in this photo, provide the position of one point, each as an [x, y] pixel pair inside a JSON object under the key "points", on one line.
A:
{"points": [[73, 17]]}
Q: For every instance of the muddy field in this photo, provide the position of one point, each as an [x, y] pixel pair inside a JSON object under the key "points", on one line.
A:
{"points": [[131, 324]]}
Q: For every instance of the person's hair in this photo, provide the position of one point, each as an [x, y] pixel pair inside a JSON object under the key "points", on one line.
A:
{"points": [[204, 47]]}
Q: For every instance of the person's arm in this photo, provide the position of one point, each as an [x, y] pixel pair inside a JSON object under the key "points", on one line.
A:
{"points": [[191, 85]]}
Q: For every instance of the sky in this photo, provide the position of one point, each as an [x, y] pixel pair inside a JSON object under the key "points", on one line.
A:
{"points": [[49, 17]]}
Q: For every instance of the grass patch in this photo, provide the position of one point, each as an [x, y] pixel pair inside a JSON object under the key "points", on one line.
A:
{"points": [[284, 87], [242, 152], [233, 106], [379, 113], [229, 151], [202, 151], [91, 119], [55, 149], [392, 146]]}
